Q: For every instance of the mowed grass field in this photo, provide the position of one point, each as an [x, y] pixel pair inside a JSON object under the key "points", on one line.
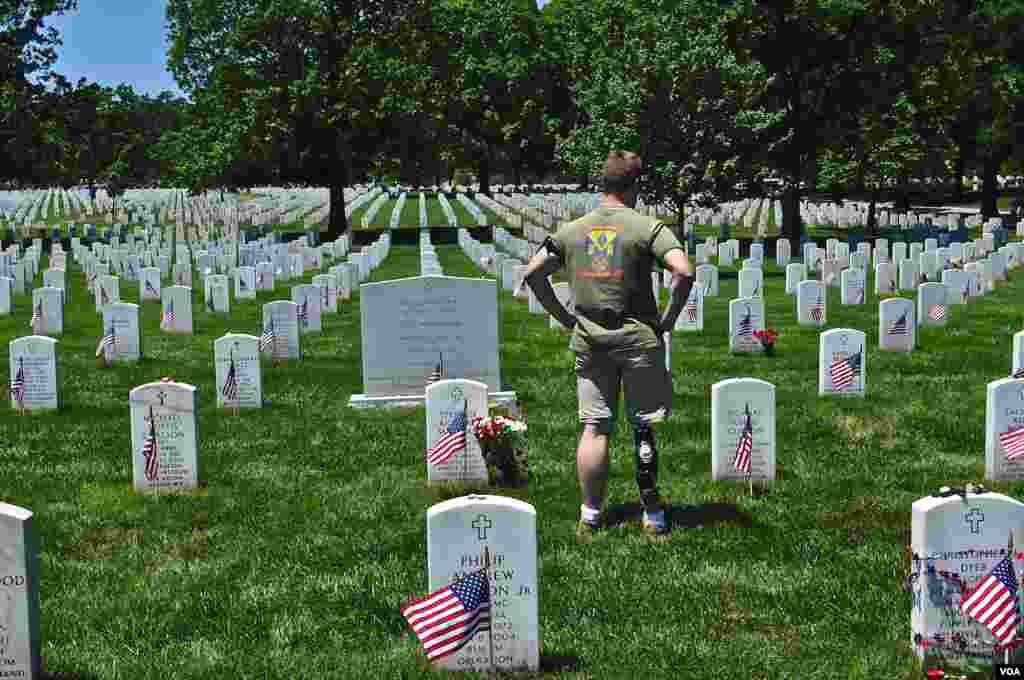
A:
{"points": [[309, 530]]}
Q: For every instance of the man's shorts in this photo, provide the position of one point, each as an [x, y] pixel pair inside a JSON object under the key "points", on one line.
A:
{"points": [[641, 373]]}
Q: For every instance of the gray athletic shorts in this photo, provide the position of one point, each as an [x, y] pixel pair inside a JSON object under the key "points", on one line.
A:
{"points": [[642, 375]]}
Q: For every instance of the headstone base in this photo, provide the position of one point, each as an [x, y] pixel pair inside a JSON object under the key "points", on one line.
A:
{"points": [[507, 399]]}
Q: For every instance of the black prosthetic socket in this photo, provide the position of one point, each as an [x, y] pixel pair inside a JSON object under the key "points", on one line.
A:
{"points": [[646, 464]]}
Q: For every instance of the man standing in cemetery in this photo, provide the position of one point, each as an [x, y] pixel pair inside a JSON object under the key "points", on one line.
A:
{"points": [[617, 336]]}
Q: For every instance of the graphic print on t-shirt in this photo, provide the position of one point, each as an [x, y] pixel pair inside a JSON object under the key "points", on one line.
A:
{"points": [[602, 254]]}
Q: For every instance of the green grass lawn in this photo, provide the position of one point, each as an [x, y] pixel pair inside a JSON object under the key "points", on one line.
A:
{"points": [[309, 531]]}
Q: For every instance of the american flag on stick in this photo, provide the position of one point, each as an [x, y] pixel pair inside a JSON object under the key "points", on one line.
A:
{"points": [[746, 325], [1012, 442], [1019, 373], [150, 451], [438, 372], [899, 326], [845, 371], [937, 312], [446, 620], [741, 461], [993, 601], [230, 389], [108, 340], [818, 309], [691, 306], [37, 315], [168, 318], [104, 297], [452, 441], [242, 285], [18, 386], [304, 312], [151, 289], [269, 338]]}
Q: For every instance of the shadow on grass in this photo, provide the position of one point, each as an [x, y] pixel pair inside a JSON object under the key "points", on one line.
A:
{"points": [[683, 516], [66, 676]]}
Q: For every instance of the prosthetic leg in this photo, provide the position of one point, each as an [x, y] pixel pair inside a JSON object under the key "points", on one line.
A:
{"points": [[646, 465]]}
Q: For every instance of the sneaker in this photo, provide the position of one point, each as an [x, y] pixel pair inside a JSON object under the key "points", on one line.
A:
{"points": [[655, 523], [586, 530]]}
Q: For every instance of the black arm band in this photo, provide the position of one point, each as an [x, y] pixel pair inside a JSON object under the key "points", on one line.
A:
{"points": [[552, 247]]}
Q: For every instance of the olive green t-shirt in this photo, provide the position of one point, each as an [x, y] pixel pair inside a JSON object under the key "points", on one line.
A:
{"points": [[608, 255]]}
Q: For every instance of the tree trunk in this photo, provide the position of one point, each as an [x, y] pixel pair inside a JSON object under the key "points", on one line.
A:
{"points": [[791, 226], [989, 186], [872, 226], [337, 222]]}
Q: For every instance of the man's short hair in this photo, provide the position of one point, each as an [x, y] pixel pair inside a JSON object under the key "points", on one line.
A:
{"points": [[621, 172]]}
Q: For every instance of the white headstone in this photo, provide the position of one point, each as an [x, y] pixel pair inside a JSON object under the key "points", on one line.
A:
{"points": [[692, 316], [733, 402], [885, 278], [841, 362], [854, 287], [446, 401], [281, 327], [897, 327], [328, 287], [33, 358], [48, 303], [176, 310], [265, 276], [239, 376], [1017, 360], [149, 284], [782, 252], [183, 275], [909, 274], [751, 283], [458, 530], [746, 315], [408, 323], [164, 437], [958, 286], [707, 280], [122, 319], [6, 294], [955, 542], [811, 303], [931, 304], [795, 273], [245, 283], [108, 290], [216, 294], [307, 297], [19, 594]]}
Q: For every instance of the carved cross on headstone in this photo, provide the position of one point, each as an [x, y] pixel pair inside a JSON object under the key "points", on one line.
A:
{"points": [[482, 524], [975, 517]]}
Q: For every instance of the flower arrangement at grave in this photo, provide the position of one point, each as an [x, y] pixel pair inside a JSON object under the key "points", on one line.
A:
{"points": [[501, 439], [767, 339]]}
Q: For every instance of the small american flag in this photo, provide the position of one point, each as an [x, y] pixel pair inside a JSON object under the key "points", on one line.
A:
{"points": [[446, 620], [168, 319], [860, 295], [993, 602], [209, 301], [108, 340], [451, 442], [151, 289], [1012, 442], [18, 386], [304, 312], [230, 389], [268, 338], [1019, 373], [261, 280], [37, 315], [818, 309], [844, 371], [746, 326], [691, 306], [150, 452], [242, 285], [438, 372], [937, 312], [741, 461], [965, 293], [104, 298], [899, 326]]}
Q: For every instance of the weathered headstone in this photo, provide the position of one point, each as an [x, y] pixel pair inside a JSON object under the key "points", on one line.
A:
{"points": [[458, 530], [408, 323], [452, 452], [841, 362], [164, 437], [746, 315], [19, 595], [239, 376], [743, 407], [897, 327], [34, 374]]}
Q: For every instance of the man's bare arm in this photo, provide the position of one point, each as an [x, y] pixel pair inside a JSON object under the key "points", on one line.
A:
{"points": [[682, 282], [541, 266]]}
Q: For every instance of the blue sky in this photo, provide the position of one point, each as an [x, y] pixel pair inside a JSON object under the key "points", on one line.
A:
{"points": [[118, 41]]}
